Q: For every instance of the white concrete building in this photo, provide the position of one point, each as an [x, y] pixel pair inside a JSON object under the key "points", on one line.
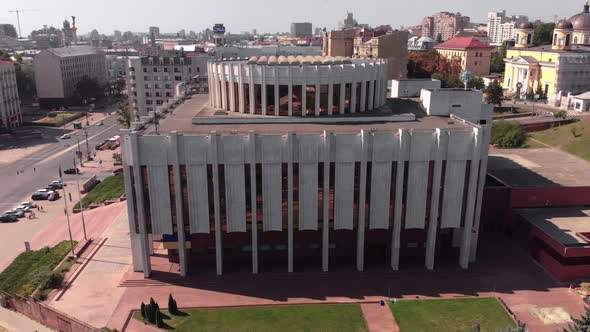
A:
{"points": [[412, 87], [152, 80], [298, 86], [312, 194], [10, 115], [58, 70], [501, 27]]}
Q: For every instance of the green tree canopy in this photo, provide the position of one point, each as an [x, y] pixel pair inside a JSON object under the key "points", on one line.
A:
{"points": [[88, 88], [508, 134], [494, 93], [543, 34]]}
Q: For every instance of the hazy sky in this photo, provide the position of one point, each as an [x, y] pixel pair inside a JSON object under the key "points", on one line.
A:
{"points": [[265, 16]]}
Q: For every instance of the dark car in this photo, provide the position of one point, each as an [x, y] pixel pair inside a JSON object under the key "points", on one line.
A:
{"points": [[8, 218], [118, 171], [72, 171], [54, 196], [15, 213]]}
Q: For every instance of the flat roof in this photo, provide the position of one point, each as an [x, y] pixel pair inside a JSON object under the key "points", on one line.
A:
{"points": [[404, 109], [564, 225]]}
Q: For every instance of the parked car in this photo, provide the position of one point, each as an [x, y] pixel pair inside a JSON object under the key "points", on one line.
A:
{"points": [[53, 196], [41, 194], [31, 205], [24, 208], [66, 136], [99, 123], [99, 145], [8, 218], [55, 185], [72, 171], [16, 213], [118, 171]]}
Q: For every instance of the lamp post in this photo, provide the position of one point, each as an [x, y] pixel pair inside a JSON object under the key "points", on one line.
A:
{"points": [[87, 146], [67, 214], [79, 153], [80, 197]]}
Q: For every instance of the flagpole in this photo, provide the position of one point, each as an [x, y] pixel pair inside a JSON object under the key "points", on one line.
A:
{"points": [[67, 214], [80, 197]]}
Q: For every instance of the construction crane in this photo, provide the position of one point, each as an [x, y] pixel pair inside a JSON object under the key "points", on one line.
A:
{"points": [[18, 11]]}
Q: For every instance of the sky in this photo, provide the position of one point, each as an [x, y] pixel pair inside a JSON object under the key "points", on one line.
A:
{"points": [[262, 15]]}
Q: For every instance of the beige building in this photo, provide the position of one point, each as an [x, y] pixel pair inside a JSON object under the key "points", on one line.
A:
{"points": [[392, 46], [444, 25], [58, 70], [359, 43], [474, 55], [10, 115]]}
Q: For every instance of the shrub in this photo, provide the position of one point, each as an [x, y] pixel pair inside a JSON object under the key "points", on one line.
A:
{"points": [[159, 321], [172, 305], [143, 312], [508, 135], [55, 280]]}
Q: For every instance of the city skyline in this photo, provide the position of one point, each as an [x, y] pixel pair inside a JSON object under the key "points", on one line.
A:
{"points": [[241, 16]]}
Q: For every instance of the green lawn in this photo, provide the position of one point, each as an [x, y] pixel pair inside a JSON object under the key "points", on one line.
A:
{"points": [[33, 269], [112, 187], [320, 317], [59, 117], [573, 138], [452, 315]]}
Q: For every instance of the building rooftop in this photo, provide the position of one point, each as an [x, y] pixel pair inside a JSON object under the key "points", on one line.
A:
{"points": [[548, 48], [399, 114], [462, 43], [73, 51], [569, 226]]}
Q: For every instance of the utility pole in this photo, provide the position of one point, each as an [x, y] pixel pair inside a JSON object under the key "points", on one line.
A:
{"points": [[87, 146], [67, 213], [80, 197], [79, 153]]}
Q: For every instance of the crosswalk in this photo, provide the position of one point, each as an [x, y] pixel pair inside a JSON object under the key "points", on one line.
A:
{"points": [[570, 114]]}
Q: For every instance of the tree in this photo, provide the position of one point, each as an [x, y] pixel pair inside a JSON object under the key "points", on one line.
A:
{"points": [[497, 64], [494, 93], [124, 115], [439, 38], [88, 88], [581, 324], [539, 92], [25, 81], [476, 83], [562, 115], [159, 321], [543, 34], [508, 134], [143, 311], [172, 308]]}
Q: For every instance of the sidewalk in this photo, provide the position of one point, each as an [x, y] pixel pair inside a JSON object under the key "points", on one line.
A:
{"points": [[15, 322], [379, 318]]}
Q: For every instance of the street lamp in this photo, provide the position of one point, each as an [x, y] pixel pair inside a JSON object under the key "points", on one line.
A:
{"points": [[80, 197], [87, 146]]}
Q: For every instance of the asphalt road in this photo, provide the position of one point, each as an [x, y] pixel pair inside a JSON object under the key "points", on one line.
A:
{"points": [[42, 167]]}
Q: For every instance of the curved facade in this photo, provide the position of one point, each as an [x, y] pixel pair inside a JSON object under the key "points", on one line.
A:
{"points": [[298, 86]]}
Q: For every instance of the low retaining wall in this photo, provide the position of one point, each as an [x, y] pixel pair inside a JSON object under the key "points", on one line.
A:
{"points": [[45, 315]]}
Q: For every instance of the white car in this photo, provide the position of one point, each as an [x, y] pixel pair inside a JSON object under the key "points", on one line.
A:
{"points": [[41, 191], [24, 208], [66, 136], [31, 205]]}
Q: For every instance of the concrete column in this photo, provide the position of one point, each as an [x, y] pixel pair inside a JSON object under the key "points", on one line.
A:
{"points": [[363, 95], [326, 218], [482, 179], [317, 99], [216, 88], [241, 87], [290, 92], [276, 72], [232, 92], [290, 202], [330, 97], [145, 255], [353, 97], [263, 87], [442, 139], [252, 158], [251, 89], [360, 240], [377, 88], [528, 79], [224, 96], [397, 211], [178, 201], [218, 230], [303, 91], [465, 250], [371, 105], [342, 100], [133, 235], [210, 83]]}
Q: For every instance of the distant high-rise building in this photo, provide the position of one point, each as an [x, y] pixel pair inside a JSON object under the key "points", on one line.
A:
{"points": [[254, 32], [501, 27], [8, 30], [317, 31], [154, 31], [301, 30], [444, 25], [348, 22], [117, 35], [10, 115]]}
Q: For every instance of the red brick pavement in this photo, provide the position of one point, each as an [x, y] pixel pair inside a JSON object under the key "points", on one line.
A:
{"points": [[379, 318]]}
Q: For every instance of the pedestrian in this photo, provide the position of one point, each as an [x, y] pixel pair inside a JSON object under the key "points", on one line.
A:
{"points": [[34, 169], [37, 207], [16, 172]]}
